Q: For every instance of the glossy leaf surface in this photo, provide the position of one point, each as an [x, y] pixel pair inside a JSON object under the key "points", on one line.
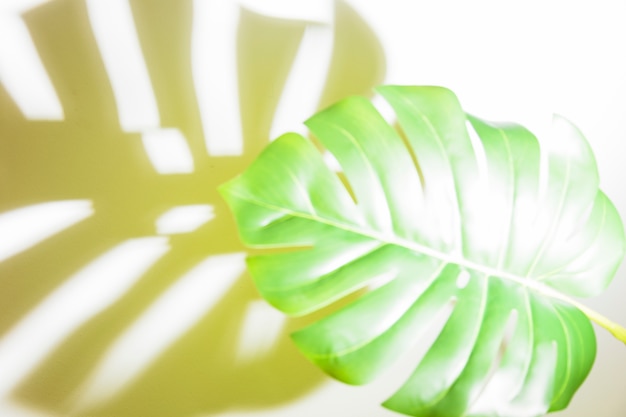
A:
{"points": [[444, 210]]}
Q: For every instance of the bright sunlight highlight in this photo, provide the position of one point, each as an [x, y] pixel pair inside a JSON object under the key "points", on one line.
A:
{"points": [[115, 33], [164, 322], [184, 219], [74, 303], [214, 40], [21, 71], [168, 151], [23, 228]]}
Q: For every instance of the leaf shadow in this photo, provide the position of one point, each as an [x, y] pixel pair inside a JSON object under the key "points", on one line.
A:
{"points": [[88, 156]]}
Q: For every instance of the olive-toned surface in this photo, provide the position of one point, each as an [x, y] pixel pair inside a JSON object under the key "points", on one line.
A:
{"points": [[88, 156]]}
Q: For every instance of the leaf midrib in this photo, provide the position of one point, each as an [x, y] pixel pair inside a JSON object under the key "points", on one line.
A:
{"points": [[416, 247]]}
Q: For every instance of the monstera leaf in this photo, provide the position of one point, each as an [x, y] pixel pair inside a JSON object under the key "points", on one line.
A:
{"points": [[445, 209]]}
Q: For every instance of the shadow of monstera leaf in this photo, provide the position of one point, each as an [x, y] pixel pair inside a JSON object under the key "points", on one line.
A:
{"points": [[122, 282]]}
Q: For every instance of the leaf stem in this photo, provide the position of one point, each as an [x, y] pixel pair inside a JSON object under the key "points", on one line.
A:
{"points": [[615, 329]]}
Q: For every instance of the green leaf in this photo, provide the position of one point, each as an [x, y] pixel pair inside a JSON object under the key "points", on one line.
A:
{"points": [[427, 216]]}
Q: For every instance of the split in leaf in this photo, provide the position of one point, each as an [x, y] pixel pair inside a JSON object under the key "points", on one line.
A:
{"points": [[445, 209]]}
